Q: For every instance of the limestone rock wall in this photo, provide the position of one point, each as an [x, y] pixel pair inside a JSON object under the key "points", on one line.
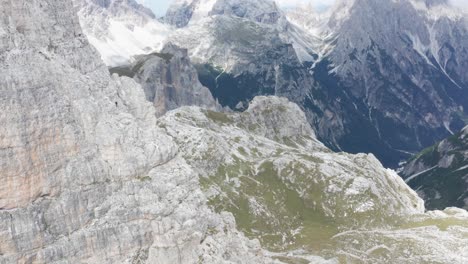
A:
{"points": [[86, 174], [169, 80]]}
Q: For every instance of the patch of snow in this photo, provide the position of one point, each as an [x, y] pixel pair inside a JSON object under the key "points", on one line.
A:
{"points": [[419, 47], [412, 177], [124, 42], [365, 207], [202, 10], [438, 11], [462, 168]]}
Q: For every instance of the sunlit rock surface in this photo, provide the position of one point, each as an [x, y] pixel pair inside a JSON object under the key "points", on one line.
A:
{"points": [[301, 200], [89, 175], [169, 80], [121, 29]]}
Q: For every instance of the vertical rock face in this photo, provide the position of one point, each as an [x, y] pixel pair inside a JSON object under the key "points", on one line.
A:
{"points": [[86, 174], [440, 173], [169, 80], [180, 12], [38, 117], [396, 69]]}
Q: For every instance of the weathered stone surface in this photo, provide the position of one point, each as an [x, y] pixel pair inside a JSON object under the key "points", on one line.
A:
{"points": [[169, 80], [86, 174], [302, 200]]}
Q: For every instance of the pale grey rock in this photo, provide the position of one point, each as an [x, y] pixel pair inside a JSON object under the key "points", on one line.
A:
{"points": [[244, 59], [219, 137], [169, 80], [243, 163], [358, 84], [401, 64], [446, 161], [87, 175], [266, 12], [265, 113], [184, 12], [120, 8], [180, 13]]}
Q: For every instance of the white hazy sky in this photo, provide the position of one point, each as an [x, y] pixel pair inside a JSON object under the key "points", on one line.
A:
{"points": [[296, 2], [160, 6]]}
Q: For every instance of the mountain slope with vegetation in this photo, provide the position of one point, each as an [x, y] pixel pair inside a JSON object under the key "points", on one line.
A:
{"points": [[440, 173]]}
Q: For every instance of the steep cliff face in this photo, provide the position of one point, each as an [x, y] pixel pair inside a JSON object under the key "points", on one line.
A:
{"points": [[87, 175], [440, 173], [391, 58], [169, 80], [245, 61]]}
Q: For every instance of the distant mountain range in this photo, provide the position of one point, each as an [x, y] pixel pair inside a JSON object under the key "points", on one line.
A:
{"points": [[384, 77]]}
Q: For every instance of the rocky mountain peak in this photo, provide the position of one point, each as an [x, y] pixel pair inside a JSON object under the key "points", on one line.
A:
{"points": [[436, 2], [182, 12], [173, 49], [264, 11], [271, 111], [168, 79], [79, 153]]}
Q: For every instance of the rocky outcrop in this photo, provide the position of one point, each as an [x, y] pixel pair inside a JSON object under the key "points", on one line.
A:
{"points": [[180, 12], [440, 173], [302, 200], [169, 80], [239, 58]]}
